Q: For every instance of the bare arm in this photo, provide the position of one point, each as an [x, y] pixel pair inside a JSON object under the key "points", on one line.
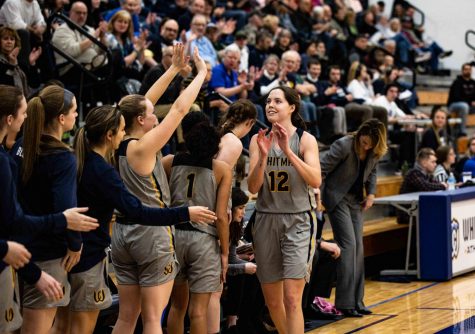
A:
{"points": [[309, 167], [258, 152], [167, 164], [153, 141], [222, 223], [230, 150]]}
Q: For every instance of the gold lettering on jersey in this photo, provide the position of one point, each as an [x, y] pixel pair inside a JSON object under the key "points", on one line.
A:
{"points": [[99, 296], [9, 315], [168, 269], [278, 161]]}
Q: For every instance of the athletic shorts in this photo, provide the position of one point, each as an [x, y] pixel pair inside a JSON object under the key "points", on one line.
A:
{"points": [[143, 255], [90, 289], [199, 256], [33, 298], [10, 317], [284, 245]]}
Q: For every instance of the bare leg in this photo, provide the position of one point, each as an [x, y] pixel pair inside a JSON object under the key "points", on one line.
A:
{"points": [[293, 289], [62, 321], [37, 321], [179, 304], [274, 296], [198, 313], [214, 314], [154, 301], [83, 322], [129, 309]]}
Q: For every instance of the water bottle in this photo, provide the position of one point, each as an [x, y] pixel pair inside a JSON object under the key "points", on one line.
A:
{"points": [[451, 181]]}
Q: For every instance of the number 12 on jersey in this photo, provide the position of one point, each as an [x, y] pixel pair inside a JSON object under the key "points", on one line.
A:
{"points": [[279, 181]]}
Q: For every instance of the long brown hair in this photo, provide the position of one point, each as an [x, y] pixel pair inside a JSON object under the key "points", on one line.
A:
{"points": [[376, 131], [293, 98], [98, 122], [43, 110], [237, 113], [10, 99], [124, 15], [131, 107]]}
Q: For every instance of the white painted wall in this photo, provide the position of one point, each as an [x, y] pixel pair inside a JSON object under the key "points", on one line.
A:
{"points": [[446, 22]]}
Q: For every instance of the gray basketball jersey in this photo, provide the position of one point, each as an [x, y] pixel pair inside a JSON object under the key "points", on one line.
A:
{"points": [[193, 183], [283, 190], [152, 190]]}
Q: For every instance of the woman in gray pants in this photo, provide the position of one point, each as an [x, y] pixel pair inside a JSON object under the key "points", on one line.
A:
{"points": [[353, 160]]}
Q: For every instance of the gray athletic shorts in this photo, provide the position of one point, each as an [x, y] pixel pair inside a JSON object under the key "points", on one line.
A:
{"points": [[10, 317], [200, 262], [33, 298], [284, 245], [90, 289], [143, 255]]}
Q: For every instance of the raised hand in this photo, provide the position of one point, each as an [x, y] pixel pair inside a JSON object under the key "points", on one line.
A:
{"points": [[201, 215], [13, 56], [78, 222], [179, 60], [264, 142], [229, 27], [199, 62], [17, 255], [34, 55]]}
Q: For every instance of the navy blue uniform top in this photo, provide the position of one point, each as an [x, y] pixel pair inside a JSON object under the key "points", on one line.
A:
{"points": [[102, 190], [51, 188], [12, 218]]}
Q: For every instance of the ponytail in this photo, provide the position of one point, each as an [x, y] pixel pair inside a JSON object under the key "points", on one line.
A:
{"points": [[81, 148], [33, 127]]}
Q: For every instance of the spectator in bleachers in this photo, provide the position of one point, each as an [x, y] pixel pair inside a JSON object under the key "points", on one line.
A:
{"points": [[303, 21], [94, 14], [133, 7], [388, 102], [464, 156], [129, 52], [445, 160], [368, 23], [240, 40], [10, 71], [362, 91], [271, 76], [226, 81], [337, 114], [25, 17], [261, 49], [420, 178], [168, 35], [361, 50], [195, 37], [282, 43], [194, 7], [77, 45], [438, 134], [308, 110], [469, 165], [462, 95]]}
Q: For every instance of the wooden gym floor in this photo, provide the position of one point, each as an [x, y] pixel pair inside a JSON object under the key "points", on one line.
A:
{"points": [[417, 307]]}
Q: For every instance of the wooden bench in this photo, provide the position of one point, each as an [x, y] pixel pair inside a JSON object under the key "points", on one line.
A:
{"points": [[433, 97], [379, 236], [388, 185]]}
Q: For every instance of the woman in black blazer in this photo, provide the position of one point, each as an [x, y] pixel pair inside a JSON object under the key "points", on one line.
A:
{"points": [[349, 186]]}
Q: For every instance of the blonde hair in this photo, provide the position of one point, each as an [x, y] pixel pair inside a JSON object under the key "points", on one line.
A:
{"points": [[376, 131], [124, 15]]}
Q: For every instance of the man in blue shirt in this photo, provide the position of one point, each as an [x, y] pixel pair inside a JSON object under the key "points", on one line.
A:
{"points": [[196, 37], [226, 81]]}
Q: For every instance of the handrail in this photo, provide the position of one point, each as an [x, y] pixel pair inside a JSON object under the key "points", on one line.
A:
{"points": [[467, 42], [84, 32], [421, 13], [259, 123]]}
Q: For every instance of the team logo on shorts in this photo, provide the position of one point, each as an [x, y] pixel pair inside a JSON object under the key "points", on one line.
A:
{"points": [[99, 296], [168, 269], [9, 315]]}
